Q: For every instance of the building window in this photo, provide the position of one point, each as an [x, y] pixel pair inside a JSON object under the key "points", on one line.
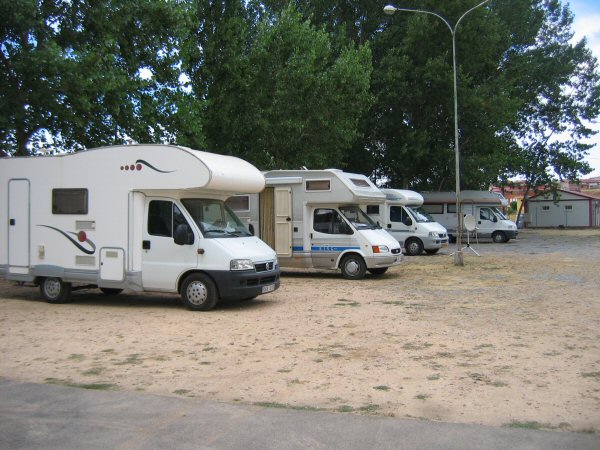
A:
{"points": [[318, 185], [568, 207], [545, 208], [69, 201]]}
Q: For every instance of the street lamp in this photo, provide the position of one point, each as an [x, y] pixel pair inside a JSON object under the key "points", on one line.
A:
{"points": [[389, 10]]}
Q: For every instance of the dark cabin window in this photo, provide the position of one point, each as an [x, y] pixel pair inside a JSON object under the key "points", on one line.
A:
{"points": [[69, 201]]}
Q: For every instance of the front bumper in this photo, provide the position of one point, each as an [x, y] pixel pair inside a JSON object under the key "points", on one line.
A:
{"points": [[376, 261], [234, 285]]}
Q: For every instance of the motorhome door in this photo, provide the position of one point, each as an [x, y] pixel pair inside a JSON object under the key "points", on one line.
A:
{"points": [[401, 223], [330, 235], [163, 260], [486, 221], [18, 226]]}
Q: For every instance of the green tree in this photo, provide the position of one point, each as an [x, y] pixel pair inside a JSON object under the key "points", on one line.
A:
{"points": [[70, 73]]}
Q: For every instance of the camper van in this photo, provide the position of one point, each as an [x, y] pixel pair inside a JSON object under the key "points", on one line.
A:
{"points": [[484, 206], [139, 217], [402, 217], [312, 219]]}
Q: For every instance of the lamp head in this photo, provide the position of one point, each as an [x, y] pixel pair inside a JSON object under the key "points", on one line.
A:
{"points": [[389, 9]]}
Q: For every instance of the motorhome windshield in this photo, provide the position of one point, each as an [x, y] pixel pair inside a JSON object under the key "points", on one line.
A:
{"points": [[420, 215], [358, 218], [214, 218], [499, 213]]}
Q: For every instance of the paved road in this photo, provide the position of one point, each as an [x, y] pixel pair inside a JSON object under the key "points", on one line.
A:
{"points": [[39, 416]]}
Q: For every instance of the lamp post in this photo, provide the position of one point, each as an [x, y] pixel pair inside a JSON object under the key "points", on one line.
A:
{"points": [[390, 10]]}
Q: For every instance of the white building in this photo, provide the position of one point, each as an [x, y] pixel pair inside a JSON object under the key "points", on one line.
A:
{"points": [[563, 209]]}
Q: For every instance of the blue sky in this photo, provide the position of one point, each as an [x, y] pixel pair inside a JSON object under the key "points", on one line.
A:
{"points": [[587, 24]]}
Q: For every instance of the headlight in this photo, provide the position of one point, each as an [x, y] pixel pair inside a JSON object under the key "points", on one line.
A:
{"points": [[434, 234], [241, 264], [380, 249]]}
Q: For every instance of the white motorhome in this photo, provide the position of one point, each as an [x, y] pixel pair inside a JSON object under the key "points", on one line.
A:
{"points": [[482, 205], [402, 217], [312, 219], [139, 217]]}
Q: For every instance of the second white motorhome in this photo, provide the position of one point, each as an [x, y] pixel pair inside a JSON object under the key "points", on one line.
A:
{"points": [[312, 219], [139, 217], [402, 217], [482, 205]]}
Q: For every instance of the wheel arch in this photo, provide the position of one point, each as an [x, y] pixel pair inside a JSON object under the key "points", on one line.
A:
{"points": [[187, 273]]}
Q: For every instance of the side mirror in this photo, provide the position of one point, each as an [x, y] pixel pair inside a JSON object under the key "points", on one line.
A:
{"points": [[407, 221], [495, 219], [251, 229], [183, 235]]}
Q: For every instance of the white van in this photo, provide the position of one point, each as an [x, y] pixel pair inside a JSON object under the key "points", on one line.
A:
{"points": [[312, 219], [402, 217], [483, 205], [140, 217]]}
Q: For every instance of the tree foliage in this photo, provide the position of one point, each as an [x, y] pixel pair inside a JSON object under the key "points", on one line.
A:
{"points": [[71, 72], [315, 83]]}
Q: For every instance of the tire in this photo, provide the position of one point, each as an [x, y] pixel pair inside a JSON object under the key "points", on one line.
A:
{"points": [[413, 247], [199, 292], [499, 237], [432, 251], [353, 267], [111, 291], [55, 290], [378, 270]]}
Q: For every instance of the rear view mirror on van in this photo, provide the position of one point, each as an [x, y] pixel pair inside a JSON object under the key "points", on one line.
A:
{"points": [[183, 235]]}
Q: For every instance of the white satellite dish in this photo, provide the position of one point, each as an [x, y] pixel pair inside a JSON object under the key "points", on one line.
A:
{"points": [[470, 222]]}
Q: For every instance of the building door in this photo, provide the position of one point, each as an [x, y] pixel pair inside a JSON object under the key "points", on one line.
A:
{"points": [[266, 216], [18, 226]]}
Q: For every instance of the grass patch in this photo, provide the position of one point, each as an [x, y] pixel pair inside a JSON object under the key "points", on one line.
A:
{"points": [[93, 386], [345, 408], [76, 357], [381, 388], [131, 359], [93, 371], [595, 375], [182, 391], [287, 406], [345, 302], [530, 425], [393, 302], [370, 408], [422, 396], [434, 377]]}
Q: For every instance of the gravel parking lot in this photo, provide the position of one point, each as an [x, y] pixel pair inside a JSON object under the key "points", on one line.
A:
{"points": [[511, 338]]}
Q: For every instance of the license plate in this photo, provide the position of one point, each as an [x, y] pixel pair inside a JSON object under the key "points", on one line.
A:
{"points": [[268, 288]]}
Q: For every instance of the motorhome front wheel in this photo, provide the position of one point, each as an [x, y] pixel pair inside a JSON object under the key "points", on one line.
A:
{"points": [[54, 290], [199, 292], [353, 267]]}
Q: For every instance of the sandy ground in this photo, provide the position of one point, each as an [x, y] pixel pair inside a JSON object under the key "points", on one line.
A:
{"points": [[513, 337]]}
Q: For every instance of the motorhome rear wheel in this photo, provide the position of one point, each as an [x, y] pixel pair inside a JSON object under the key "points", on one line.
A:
{"points": [[199, 292], [54, 290]]}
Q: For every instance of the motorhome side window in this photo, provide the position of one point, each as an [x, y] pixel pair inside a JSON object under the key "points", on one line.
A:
{"points": [[160, 218], [451, 207], [373, 209], [360, 182], [69, 201], [318, 185], [329, 221], [239, 203]]}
